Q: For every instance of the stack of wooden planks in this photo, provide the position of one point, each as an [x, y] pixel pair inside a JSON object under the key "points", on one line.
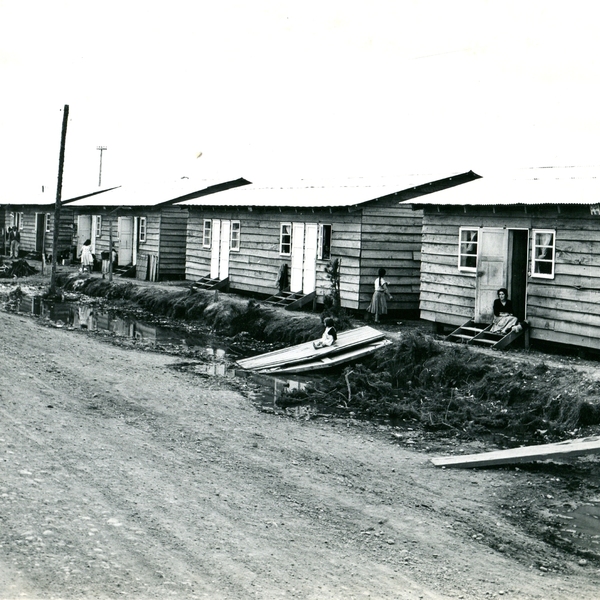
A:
{"points": [[350, 345]]}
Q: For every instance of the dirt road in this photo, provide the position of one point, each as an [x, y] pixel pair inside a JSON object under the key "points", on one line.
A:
{"points": [[122, 476]]}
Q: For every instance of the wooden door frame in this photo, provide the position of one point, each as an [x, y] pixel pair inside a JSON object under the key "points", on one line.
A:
{"points": [[484, 297], [80, 238], [509, 277], [120, 220], [513, 278], [215, 248], [40, 232], [224, 249], [297, 257], [309, 275]]}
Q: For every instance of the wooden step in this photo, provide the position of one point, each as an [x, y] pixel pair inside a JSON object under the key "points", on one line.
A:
{"points": [[290, 300], [207, 283], [462, 336]]}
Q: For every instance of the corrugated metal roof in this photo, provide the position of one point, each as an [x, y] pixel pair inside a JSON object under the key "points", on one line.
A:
{"points": [[47, 201], [149, 194], [349, 193], [553, 185]]}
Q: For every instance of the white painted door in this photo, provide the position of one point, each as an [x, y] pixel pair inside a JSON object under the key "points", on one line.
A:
{"points": [[224, 253], [134, 237], [94, 232], [125, 227], [491, 271], [310, 257], [84, 230], [297, 266], [215, 247]]}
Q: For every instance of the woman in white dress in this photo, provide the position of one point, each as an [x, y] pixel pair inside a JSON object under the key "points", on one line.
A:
{"points": [[381, 295], [87, 258]]}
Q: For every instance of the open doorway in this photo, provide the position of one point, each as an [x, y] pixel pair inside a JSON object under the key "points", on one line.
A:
{"points": [[502, 263], [518, 243], [40, 231]]}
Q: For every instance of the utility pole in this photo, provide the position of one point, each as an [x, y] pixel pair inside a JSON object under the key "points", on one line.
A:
{"points": [[61, 162], [102, 149]]}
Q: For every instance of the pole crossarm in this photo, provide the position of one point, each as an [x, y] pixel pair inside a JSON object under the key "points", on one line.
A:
{"points": [[102, 149]]}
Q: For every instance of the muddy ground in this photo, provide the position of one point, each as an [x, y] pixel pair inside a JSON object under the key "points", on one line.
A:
{"points": [[126, 473]]}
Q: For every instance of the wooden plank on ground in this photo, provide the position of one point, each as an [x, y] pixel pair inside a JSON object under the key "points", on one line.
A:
{"points": [[306, 351], [568, 448]]}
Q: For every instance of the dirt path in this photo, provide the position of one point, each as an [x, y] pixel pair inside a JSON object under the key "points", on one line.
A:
{"points": [[122, 476]]}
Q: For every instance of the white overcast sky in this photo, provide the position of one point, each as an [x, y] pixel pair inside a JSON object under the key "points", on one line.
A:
{"points": [[277, 90]]}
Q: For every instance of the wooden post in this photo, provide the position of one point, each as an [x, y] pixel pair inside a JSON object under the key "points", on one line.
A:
{"points": [[61, 162], [110, 250], [44, 245]]}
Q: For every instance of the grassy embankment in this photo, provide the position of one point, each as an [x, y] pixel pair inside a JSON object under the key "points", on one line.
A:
{"points": [[446, 388]]}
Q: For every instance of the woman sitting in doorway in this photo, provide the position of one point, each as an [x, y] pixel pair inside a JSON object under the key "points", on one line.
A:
{"points": [[504, 318]]}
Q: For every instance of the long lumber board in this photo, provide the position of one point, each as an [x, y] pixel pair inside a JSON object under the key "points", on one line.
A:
{"points": [[325, 362], [306, 351], [576, 447]]}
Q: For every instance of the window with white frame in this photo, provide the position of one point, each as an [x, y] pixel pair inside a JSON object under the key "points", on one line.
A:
{"points": [[235, 235], [98, 225], [467, 250], [285, 239], [543, 253], [207, 233], [324, 246], [47, 222], [142, 229]]}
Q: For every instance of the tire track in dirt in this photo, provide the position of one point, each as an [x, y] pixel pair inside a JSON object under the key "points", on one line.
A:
{"points": [[156, 483]]}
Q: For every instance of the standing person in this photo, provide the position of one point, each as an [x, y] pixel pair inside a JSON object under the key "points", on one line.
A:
{"points": [[106, 261], [15, 242], [10, 236], [381, 295], [87, 258]]}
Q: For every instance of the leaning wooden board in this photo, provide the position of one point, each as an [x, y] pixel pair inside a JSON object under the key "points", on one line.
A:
{"points": [[575, 447], [306, 351], [325, 362]]}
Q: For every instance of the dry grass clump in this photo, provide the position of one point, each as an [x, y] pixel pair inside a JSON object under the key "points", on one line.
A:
{"points": [[457, 389], [226, 314]]}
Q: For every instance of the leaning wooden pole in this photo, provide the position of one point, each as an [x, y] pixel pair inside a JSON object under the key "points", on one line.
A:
{"points": [[56, 228]]}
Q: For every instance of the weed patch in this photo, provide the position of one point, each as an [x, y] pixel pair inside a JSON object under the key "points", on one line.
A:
{"points": [[455, 389], [225, 314]]}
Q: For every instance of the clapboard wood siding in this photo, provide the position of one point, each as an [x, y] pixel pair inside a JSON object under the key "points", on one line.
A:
{"points": [[562, 309], [150, 248], [165, 236], [173, 227], [29, 231], [102, 242], [255, 267], [391, 239], [153, 233], [383, 232]]}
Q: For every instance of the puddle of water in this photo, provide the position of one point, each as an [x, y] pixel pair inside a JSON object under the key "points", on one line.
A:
{"points": [[582, 527], [85, 316], [275, 387], [271, 388]]}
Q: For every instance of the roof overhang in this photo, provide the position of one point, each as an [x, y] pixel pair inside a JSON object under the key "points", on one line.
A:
{"points": [[353, 193], [499, 191]]}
